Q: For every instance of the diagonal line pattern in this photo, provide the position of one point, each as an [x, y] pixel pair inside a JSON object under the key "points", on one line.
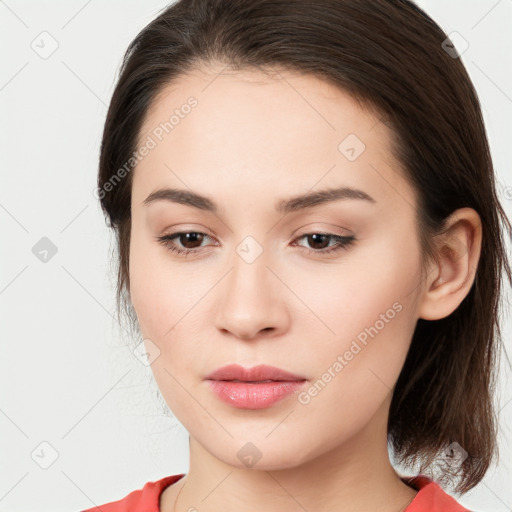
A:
{"points": [[214, 78], [379, 379], [92, 296], [505, 404], [14, 76], [101, 101], [492, 81], [75, 15], [306, 101], [311, 188], [220, 220], [13, 13], [96, 506], [301, 300], [217, 486], [486, 14], [287, 492], [280, 423], [5, 495], [74, 218], [13, 279], [192, 396], [398, 193], [198, 301], [95, 404], [14, 218], [497, 497], [14, 423]]}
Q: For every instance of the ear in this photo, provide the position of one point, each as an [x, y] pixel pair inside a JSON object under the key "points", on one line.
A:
{"points": [[453, 273]]}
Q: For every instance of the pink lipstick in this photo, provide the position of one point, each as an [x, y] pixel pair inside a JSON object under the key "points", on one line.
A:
{"points": [[253, 388]]}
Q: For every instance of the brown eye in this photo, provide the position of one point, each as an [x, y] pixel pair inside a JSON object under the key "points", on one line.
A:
{"points": [[187, 241], [190, 240], [319, 242]]}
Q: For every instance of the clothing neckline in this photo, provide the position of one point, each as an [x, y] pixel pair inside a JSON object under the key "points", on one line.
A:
{"points": [[416, 483]]}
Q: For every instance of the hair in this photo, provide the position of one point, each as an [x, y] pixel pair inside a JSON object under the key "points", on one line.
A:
{"points": [[388, 55]]}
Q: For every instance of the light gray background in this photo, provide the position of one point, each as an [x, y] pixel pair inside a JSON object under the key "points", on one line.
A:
{"points": [[67, 378]]}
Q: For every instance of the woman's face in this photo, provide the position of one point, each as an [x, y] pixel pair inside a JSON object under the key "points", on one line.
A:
{"points": [[261, 287]]}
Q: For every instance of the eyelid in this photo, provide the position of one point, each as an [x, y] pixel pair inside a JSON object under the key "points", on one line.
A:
{"points": [[185, 228], [332, 229], [341, 243], [298, 233]]}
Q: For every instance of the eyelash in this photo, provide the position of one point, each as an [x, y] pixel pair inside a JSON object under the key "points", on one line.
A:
{"points": [[342, 242]]}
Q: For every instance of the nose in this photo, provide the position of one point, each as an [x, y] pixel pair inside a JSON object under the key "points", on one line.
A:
{"points": [[252, 301]]}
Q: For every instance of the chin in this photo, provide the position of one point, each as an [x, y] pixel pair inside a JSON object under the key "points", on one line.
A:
{"points": [[264, 455]]}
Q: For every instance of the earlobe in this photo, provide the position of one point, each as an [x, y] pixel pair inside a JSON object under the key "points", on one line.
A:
{"points": [[457, 259]]}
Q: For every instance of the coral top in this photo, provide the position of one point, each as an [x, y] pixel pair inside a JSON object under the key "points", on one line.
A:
{"points": [[430, 497]]}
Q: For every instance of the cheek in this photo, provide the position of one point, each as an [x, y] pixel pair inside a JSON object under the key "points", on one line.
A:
{"points": [[353, 310], [167, 301], [355, 374], [367, 290], [160, 293], [366, 319]]}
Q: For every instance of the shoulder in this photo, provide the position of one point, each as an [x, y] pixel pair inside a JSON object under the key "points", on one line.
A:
{"points": [[143, 500], [431, 497]]}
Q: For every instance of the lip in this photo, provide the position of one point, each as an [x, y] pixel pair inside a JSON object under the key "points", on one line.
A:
{"points": [[253, 388], [254, 374]]}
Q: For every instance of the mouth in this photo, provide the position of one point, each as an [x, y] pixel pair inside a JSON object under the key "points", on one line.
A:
{"points": [[258, 387], [255, 381], [256, 374], [254, 395]]}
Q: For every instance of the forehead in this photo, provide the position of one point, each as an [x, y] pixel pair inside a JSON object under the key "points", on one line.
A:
{"points": [[259, 102], [248, 129]]}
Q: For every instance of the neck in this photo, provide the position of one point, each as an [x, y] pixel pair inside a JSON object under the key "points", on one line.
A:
{"points": [[356, 475]]}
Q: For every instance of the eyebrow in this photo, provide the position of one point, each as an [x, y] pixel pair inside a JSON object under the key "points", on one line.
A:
{"points": [[289, 205]]}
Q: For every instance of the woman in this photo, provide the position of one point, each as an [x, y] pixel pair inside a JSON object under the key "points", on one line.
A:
{"points": [[310, 249]]}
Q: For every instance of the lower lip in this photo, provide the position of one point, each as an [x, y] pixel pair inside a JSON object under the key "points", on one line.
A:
{"points": [[253, 396]]}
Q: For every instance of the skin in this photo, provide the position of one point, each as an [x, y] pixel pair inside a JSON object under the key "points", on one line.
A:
{"points": [[250, 141]]}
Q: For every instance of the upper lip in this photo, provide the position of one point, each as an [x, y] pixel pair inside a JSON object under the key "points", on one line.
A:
{"points": [[254, 374]]}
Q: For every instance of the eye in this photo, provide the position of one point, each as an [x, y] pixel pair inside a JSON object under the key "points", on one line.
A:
{"points": [[195, 238], [315, 239], [184, 237]]}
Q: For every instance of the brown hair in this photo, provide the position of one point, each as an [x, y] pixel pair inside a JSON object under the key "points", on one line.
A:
{"points": [[390, 57]]}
